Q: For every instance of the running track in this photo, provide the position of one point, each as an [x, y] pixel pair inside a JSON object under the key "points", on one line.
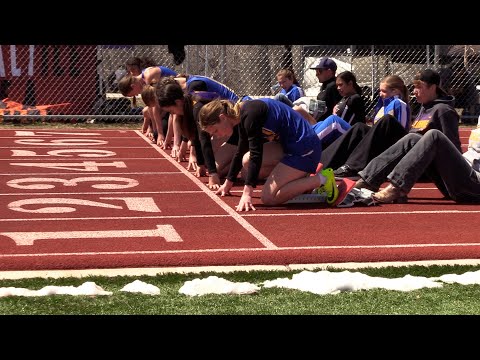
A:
{"points": [[89, 199]]}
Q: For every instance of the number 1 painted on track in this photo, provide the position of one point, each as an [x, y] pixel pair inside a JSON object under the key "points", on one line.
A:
{"points": [[27, 238]]}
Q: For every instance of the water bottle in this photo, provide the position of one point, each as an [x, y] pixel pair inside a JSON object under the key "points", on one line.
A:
{"points": [[313, 106], [317, 107], [322, 107]]}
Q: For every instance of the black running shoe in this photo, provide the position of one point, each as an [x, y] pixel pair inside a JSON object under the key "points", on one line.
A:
{"points": [[346, 172]]}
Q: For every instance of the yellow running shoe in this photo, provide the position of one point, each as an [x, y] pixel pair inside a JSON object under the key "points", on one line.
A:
{"points": [[330, 186]]}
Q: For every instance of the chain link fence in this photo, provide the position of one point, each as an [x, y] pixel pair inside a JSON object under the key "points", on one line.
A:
{"points": [[79, 82]]}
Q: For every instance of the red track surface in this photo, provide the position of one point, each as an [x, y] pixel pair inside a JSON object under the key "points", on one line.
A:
{"points": [[131, 205]]}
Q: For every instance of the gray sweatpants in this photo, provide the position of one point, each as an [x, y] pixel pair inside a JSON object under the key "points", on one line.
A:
{"points": [[433, 154]]}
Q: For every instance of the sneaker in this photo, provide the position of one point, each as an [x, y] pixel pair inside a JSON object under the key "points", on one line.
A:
{"points": [[345, 171], [330, 186], [362, 184], [391, 194]]}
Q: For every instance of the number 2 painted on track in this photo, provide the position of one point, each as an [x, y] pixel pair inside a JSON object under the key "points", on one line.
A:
{"points": [[145, 204]]}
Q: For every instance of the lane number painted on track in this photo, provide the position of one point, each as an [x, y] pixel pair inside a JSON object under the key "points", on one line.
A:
{"points": [[37, 205], [88, 153], [101, 182], [144, 204], [28, 238]]}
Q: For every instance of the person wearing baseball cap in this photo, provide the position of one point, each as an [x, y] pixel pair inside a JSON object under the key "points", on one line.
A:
{"points": [[432, 147], [431, 77], [325, 69], [436, 112], [325, 63]]}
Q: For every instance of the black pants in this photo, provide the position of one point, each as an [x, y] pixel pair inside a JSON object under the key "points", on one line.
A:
{"points": [[165, 123], [361, 143]]}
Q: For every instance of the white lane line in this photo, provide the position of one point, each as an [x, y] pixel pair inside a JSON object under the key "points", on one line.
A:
{"points": [[60, 146], [96, 158], [106, 193], [349, 213], [152, 271], [244, 223], [121, 218], [230, 250], [96, 173], [248, 215]]}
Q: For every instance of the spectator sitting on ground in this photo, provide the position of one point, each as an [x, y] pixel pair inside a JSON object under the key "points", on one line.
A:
{"points": [[350, 110], [351, 107], [456, 175], [325, 70], [352, 151], [290, 90]]}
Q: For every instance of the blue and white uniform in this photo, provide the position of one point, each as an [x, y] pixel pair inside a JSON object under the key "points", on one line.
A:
{"points": [[395, 107], [266, 119], [295, 92], [330, 129]]}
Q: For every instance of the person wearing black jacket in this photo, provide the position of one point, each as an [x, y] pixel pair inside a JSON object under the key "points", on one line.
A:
{"points": [[325, 70], [437, 112]]}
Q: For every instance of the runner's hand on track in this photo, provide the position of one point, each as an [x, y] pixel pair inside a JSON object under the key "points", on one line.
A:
{"points": [[192, 163], [225, 188], [200, 171], [245, 203], [182, 152], [149, 135], [213, 182], [192, 159], [160, 140], [175, 150], [166, 146]]}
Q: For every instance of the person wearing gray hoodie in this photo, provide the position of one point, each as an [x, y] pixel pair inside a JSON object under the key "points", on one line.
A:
{"points": [[456, 175], [351, 152]]}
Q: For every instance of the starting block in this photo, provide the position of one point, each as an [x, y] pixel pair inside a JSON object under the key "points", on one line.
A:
{"points": [[308, 199], [347, 196]]}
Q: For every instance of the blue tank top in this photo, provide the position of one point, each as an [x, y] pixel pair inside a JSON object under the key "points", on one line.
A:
{"points": [[164, 71], [287, 126], [214, 86]]}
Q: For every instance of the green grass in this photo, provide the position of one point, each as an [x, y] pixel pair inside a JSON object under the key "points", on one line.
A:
{"points": [[451, 299]]}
